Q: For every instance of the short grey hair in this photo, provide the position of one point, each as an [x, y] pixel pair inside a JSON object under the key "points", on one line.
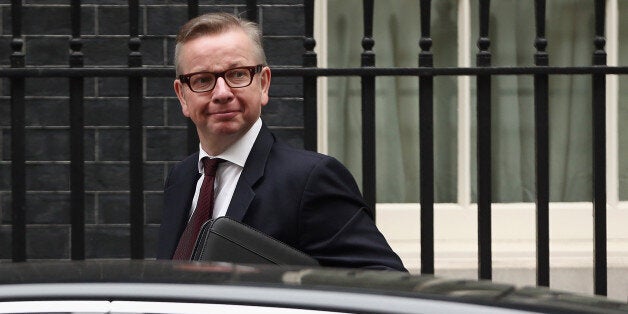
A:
{"points": [[217, 23]]}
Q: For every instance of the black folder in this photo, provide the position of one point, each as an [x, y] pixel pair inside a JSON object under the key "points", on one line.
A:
{"points": [[226, 240]]}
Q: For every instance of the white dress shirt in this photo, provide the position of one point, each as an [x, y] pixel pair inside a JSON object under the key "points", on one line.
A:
{"points": [[228, 171]]}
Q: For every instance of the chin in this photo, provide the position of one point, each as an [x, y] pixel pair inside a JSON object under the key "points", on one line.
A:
{"points": [[227, 129]]}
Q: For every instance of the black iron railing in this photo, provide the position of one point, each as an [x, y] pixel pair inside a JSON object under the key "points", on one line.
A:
{"points": [[484, 72]]}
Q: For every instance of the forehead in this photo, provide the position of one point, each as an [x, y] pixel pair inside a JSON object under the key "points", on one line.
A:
{"points": [[217, 52]]}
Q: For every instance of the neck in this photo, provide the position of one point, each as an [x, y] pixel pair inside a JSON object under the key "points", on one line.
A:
{"points": [[216, 144], [215, 147]]}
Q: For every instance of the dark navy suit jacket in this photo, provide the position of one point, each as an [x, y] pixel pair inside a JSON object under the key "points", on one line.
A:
{"points": [[307, 200]]}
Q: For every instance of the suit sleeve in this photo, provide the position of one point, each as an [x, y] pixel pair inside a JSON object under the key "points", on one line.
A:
{"points": [[335, 225]]}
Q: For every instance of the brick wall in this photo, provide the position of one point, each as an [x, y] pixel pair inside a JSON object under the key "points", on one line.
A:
{"points": [[46, 29]]}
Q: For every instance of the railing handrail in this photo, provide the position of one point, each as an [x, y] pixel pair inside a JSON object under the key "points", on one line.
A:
{"points": [[147, 71]]}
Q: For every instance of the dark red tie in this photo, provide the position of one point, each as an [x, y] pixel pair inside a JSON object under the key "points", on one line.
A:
{"points": [[203, 212]]}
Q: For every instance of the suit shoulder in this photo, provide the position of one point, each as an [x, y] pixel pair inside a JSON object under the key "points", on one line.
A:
{"points": [[306, 162], [191, 160], [184, 167], [304, 156]]}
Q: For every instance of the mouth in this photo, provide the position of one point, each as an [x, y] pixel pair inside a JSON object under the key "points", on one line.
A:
{"points": [[224, 115]]}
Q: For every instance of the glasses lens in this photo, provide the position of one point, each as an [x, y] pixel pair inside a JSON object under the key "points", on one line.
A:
{"points": [[202, 82], [238, 77]]}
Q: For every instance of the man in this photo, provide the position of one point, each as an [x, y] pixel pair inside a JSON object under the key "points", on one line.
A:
{"points": [[307, 200]]}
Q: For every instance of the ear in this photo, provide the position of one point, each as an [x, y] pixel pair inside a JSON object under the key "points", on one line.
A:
{"points": [[265, 82], [178, 89]]}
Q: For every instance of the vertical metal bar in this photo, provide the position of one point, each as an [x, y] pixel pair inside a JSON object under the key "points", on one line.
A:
{"points": [[484, 147], [368, 111], [77, 165], [310, 115], [192, 136], [18, 156], [541, 116], [136, 143], [426, 145], [599, 154], [192, 9], [251, 10]]}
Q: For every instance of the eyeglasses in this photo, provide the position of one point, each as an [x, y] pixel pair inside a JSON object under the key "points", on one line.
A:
{"points": [[200, 82]]}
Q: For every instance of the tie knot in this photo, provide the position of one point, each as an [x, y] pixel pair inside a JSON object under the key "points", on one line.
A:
{"points": [[210, 165]]}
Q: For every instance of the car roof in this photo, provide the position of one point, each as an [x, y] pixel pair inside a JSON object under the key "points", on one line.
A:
{"points": [[296, 286]]}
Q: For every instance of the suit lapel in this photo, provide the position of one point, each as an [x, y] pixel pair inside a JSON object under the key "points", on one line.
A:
{"points": [[178, 197], [252, 172]]}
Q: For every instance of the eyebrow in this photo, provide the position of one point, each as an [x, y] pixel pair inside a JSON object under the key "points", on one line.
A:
{"points": [[228, 67]]}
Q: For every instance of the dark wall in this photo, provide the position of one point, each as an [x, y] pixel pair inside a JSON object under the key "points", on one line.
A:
{"points": [[46, 30]]}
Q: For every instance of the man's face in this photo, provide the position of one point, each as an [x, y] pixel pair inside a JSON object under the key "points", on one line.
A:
{"points": [[223, 112]]}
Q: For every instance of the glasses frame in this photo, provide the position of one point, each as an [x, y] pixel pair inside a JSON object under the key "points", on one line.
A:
{"points": [[185, 78]]}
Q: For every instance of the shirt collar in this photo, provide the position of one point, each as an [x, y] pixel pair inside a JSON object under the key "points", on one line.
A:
{"points": [[239, 151]]}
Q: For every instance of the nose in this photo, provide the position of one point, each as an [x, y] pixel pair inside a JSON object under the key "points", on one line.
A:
{"points": [[222, 92]]}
